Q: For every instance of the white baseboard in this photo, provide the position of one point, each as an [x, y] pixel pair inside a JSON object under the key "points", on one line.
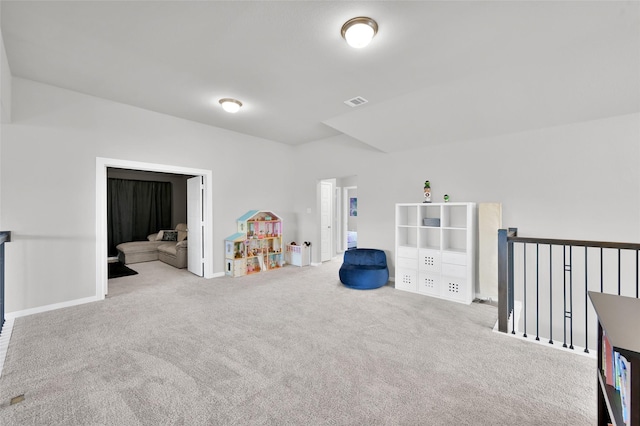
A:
{"points": [[544, 341], [217, 275], [46, 308], [488, 298], [6, 329]]}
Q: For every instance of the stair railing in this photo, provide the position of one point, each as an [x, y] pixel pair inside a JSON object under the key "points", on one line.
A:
{"points": [[529, 278]]}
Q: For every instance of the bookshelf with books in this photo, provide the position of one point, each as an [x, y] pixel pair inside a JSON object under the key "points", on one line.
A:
{"points": [[618, 359]]}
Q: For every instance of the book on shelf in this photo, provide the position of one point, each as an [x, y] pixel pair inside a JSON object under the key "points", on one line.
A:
{"points": [[624, 374], [617, 371], [607, 358], [617, 374]]}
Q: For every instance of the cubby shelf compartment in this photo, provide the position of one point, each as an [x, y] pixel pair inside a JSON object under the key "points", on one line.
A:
{"points": [[618, 317], [436, 257]]}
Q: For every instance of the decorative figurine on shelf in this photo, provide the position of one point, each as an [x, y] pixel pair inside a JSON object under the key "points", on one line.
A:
{"points": [[446, 198], [427, 191]]}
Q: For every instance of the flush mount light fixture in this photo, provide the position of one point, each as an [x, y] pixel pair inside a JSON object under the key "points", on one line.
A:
{"points": [[358, 32], [230, 105]]}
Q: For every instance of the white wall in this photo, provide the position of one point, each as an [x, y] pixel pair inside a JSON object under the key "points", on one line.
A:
{"points": [[5, 84], [578, 181], [5, 102], [48, 181]]}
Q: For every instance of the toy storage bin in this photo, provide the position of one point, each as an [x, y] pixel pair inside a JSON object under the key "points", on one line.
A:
{"points": [[297, 255]]}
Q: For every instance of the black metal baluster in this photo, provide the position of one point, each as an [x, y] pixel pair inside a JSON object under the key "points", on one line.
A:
{"points": [[570, 297], [564, 296], [567, 313], [601, 271], [537, 292], [512, 288], [524, 255], [619, 276], [550, 294], [586, 299]]}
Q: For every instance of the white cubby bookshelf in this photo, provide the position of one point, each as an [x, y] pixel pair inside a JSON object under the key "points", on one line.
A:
{"points": [[437, 259]]}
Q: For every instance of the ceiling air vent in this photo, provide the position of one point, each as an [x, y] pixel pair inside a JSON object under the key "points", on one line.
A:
{"points": [[357, 101]]}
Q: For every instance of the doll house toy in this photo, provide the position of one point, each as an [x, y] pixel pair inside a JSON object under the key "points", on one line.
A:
{"points": [[256, 246]]}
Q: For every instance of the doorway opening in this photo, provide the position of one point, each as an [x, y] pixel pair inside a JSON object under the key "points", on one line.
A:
{"points": [[338, 201], [141, 203], [203, 228], [350, 217]]}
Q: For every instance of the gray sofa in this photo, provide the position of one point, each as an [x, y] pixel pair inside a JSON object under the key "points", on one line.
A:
{"points": [[173, 253]]}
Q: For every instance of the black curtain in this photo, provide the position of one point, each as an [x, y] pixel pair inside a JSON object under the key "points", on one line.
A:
{"points": [[135, 209]]}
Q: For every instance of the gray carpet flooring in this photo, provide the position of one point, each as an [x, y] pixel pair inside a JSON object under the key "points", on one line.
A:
{"points": [[285, 347]]}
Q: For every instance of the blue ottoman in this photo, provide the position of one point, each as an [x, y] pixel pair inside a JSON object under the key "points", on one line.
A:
{"points": [[364, 269]]}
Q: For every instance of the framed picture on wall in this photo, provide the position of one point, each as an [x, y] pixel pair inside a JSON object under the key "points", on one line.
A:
{"points": [[353, 207]]}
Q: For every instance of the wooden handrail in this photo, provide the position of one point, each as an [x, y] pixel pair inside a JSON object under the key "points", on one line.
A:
{"points": [[5, 236], [578, 243]]}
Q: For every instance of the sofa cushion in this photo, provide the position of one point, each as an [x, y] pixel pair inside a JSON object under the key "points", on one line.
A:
{"points": [[168, 249], [182, 231], [138, 251], [138, 246], [175, 254], [170, 236]]}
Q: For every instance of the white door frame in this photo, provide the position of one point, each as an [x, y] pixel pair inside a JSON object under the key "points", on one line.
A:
{"points": [[101, 213]]}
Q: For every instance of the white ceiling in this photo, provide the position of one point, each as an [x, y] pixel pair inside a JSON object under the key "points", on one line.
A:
{"points": [[437, 72]]}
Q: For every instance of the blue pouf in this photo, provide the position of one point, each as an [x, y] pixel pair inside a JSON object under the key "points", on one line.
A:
{"points": [[364, 269]]}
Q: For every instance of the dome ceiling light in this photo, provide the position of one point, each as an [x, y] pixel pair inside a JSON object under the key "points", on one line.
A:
{"points": [[358, 32], [230, 105]]}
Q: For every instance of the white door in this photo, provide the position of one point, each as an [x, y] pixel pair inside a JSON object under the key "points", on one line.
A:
{"points": [[326, 245], [195, 224]]}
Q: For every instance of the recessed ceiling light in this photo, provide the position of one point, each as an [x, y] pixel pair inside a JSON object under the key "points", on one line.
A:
{"points": [[358, 32], [230, 105]]}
